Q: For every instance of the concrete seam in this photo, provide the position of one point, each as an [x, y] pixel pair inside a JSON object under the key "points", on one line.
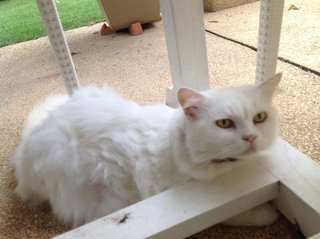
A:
{"points": [[302, 67]]}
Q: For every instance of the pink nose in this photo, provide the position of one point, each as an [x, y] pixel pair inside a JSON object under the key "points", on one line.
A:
{"points": [[250, 138]]}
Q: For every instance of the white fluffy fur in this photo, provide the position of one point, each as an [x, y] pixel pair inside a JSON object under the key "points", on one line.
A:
{"points": [[95, 152], [42, 111]]}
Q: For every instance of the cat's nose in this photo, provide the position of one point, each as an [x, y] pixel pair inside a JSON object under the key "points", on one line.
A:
{"points": [[250, 138]]}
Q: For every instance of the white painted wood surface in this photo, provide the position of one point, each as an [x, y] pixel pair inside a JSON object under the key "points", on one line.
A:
{"points": [[299, 195], [193, 206], [52, 23], [185, 36], [187, 208], [317, 236], [271, 12]]}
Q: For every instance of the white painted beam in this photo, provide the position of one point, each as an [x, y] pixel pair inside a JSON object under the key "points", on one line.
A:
{"points": [[187, 208], [186, 44], [299, 195], [51, 20], [317, 236], [271, 12]]}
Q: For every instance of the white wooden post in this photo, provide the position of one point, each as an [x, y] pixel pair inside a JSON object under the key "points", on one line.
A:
{"points": [[299, 194], [186, 44], [317, 236], [185, 209], [271, 12], [51, 20], [193, 206]]}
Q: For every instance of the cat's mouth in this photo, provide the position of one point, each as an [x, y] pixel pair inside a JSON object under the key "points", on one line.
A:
{"points": [[226, 160]]}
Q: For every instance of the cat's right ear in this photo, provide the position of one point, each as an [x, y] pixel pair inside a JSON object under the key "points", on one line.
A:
{"points": [[191, 102]]}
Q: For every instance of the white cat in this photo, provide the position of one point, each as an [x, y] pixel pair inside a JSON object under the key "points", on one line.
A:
{"points": [[95, 152]]}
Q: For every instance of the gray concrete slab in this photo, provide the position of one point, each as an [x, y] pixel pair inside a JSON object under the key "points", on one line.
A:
{"points": [[300, 29]]}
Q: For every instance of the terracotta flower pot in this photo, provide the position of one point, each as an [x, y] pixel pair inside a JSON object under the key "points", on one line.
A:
{"points": [[122, 14]]}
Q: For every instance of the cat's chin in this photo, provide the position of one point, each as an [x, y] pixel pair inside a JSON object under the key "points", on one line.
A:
{"points": [[251, 152]]}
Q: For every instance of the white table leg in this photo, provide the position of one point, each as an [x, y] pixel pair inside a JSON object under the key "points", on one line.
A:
{"points": [[58, 42], [269, 37], [185, 37]]}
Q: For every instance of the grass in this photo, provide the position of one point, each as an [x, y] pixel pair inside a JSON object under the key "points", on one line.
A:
{"points": [[20, 19]]}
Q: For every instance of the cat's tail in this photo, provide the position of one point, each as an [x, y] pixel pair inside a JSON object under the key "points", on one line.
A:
{"points": [[41, 111]]}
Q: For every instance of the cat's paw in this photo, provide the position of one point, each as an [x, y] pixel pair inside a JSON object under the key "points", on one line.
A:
{"points": [[259, 216]]}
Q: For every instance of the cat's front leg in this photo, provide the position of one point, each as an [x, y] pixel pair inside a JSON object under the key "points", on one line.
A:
{"points": [[262, 215]]}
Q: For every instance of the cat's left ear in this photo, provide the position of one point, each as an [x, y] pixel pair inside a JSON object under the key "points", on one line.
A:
{"points": [[192, 102], [269, 86]]}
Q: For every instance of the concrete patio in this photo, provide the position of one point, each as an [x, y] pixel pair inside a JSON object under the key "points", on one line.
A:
{"points": [[138, 68]]}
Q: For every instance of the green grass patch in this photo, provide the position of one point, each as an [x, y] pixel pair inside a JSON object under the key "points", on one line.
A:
{"points": [[20, 19]]}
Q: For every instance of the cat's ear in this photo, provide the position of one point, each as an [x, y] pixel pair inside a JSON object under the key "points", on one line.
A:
{"points": [[269, 86], [191, 102]]}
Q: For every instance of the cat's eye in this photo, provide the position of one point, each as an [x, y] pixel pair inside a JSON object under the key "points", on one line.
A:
{"points": [[225, 123], [260, 117]]}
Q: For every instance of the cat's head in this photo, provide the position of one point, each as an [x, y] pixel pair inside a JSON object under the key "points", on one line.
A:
{"points": [[224, 127]]}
